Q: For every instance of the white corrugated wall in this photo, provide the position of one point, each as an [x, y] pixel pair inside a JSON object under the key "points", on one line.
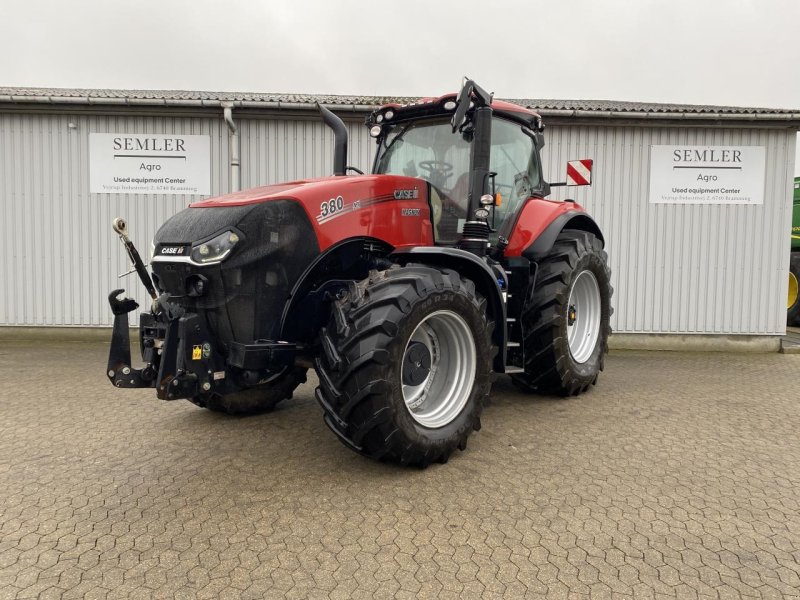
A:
{"points": [[60, 257], [718, 269], [676, 268], [275, 150]]}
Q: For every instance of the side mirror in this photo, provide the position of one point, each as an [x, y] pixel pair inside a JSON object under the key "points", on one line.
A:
{"points": [[579, 172]]}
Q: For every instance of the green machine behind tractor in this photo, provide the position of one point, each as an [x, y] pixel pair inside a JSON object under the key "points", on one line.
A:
{"points": [[793, 300]]}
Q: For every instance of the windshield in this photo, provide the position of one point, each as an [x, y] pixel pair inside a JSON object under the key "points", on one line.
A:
{"points": [[431, 151]]}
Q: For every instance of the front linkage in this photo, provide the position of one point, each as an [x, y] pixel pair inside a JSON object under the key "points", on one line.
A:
{"points": [[176, 346], [179, 360]]}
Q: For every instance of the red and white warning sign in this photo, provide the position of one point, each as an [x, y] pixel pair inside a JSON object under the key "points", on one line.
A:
{"points": [[579, 172]]}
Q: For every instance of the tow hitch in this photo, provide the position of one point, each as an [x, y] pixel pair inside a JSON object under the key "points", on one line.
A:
{"points": [[120, 371], [180, 361]]}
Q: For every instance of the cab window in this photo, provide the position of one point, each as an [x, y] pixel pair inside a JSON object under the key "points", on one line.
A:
{"points": [[514, 159], [431, 151]]}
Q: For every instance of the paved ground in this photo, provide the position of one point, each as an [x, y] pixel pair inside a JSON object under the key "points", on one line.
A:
{"points": [[676, 477], [791, 341]]}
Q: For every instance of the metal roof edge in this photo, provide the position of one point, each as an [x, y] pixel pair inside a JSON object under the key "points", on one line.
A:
{"points": [[663, 116], [182, 102], [583, 113]]}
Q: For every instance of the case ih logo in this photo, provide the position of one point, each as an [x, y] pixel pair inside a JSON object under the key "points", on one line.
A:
{"points": [[406, 194], [579, 172], [172, 250]]}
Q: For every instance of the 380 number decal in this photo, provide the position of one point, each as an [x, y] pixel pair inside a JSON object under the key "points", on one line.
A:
{"points": [[331, 207]]}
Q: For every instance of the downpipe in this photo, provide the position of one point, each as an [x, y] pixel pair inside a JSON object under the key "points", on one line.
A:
{"points": [[233, 147]]}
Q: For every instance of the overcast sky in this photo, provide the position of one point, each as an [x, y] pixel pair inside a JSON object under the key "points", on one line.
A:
{"points": [[733, 52]]}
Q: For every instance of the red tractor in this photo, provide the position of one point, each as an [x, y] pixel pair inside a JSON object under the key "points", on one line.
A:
{"points": [[406, 290]]}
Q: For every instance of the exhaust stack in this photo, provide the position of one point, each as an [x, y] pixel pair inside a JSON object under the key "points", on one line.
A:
{"points": [[340, 139]]}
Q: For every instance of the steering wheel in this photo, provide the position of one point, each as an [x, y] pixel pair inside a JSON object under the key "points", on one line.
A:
{"points": [[442, 168]]}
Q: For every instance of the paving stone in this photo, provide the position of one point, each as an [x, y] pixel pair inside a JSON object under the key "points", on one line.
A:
{"points": [[677, 476]]}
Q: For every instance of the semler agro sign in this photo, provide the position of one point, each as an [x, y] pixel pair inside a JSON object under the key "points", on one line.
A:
{"points": [[147, 163], [707, 174]]}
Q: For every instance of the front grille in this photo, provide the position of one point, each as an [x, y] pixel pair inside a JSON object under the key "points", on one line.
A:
{"points": [[245, 294]]}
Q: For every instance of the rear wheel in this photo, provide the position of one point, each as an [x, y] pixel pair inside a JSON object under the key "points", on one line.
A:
{"points": [[256, 400], [566, 324], [406, 363], [793, 297]]}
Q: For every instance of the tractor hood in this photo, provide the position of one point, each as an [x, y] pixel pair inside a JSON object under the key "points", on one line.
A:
{"points": [[236, 258], [292, 189], [392, 208], [304, 189]]}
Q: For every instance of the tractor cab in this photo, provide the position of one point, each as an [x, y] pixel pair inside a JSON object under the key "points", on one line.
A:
{"points": [[420, 140]]}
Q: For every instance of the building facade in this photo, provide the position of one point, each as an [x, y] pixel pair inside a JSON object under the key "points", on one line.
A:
{"points": [[681, 264]]}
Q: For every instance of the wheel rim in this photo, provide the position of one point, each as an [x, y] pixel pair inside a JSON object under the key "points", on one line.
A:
{"points": [[583, 316], [438, 370], [792, 297]]}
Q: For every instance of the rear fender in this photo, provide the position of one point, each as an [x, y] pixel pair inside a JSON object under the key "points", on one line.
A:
{"points": [[539, 223], [471, 267], [569, 220]]}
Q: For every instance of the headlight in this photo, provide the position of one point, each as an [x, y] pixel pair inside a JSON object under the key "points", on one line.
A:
{"points": [[216, 249]]}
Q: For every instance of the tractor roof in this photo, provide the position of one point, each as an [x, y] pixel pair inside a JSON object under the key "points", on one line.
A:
{"points": [[433, 107]]}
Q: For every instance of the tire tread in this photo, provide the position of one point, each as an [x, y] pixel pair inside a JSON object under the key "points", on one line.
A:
{"points": [[546, 368], [353, 387]]}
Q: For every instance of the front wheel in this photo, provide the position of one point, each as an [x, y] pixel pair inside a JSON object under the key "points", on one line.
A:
{"points": [[263, 398], [566, 323], [405, 365]]}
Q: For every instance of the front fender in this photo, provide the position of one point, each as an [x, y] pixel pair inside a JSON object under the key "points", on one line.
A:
{"points": [[475, 269], [351, 259]]}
